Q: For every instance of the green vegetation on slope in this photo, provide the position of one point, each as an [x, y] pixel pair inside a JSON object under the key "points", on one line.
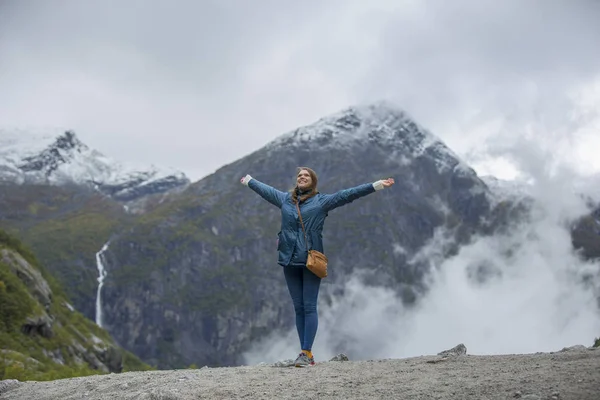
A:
{"points": [[60, 341]]}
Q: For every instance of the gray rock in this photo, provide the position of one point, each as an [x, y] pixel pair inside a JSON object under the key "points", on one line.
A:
{"points": [[39, 325], [458, 350], [8, 384], [340, 357], [112, 358], [284, 363], [55, 355], [30, 276], [578, 347]]}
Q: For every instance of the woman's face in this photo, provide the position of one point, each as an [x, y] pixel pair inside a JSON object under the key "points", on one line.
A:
{"points": [[303, 181]]}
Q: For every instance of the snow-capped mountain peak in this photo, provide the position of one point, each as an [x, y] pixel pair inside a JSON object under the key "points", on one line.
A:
{"points": [[56, 157], [65, 149], [380, 122]]}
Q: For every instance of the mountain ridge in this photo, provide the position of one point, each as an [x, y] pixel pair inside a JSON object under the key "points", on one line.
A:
{"points": [[59, 157], [208, 255], [193, 279]]}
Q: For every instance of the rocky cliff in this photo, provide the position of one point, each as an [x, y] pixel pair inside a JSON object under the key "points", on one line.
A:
{"points": [[42, 336]]}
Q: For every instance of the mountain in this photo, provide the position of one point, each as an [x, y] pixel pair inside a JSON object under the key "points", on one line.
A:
{"points": [[42, 336], [65, 199], [196, 280], [191, 276], [59, 158]]}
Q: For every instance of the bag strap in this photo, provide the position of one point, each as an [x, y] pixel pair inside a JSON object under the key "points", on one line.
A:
{"points": [[302, 223]]}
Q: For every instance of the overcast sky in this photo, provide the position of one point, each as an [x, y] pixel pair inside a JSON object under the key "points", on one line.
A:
{"points": [[195, 84]]}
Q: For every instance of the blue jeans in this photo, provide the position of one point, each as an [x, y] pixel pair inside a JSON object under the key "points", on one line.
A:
{"points": [[303, 286]]}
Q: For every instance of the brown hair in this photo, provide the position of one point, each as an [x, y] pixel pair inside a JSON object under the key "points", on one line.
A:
{"points": [[312, 191]]}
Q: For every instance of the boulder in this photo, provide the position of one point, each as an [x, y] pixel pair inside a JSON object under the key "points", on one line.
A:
{"points": [[340, 357], [458, 350]]}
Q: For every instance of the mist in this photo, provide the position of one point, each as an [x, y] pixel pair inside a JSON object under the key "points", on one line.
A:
{"points": [[523, 291]]}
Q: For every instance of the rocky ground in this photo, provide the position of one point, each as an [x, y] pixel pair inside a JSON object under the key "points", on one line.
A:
{"points": [[572, 373]]}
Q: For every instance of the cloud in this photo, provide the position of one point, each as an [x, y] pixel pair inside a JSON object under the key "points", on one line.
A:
{"points": [[198, 84]]}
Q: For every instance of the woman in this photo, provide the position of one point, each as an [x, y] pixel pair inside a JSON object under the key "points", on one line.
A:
{"points": [[303, 285]]}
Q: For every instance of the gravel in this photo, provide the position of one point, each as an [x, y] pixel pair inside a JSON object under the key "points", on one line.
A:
{"points": [[572, 373]]}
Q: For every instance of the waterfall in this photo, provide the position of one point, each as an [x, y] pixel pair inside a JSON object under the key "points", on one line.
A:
{"points": [[101, 276]]}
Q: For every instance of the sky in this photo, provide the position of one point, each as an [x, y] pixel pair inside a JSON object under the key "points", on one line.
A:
{"points": [[196, 84]]}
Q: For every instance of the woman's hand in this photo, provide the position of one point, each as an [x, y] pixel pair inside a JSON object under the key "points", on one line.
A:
{"points": [[388, 182], [245, 180]]}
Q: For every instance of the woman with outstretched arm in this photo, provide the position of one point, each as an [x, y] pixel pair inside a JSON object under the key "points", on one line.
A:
{"points": [[303, 284]]}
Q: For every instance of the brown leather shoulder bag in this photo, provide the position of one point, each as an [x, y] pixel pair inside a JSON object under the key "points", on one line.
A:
{"points": [[316, 261]]}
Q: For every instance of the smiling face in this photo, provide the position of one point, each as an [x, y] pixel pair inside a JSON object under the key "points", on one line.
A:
{"points": [[304, 180]]}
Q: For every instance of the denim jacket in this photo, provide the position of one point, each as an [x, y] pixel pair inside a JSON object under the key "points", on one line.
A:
{"points": [[291, 246]]}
